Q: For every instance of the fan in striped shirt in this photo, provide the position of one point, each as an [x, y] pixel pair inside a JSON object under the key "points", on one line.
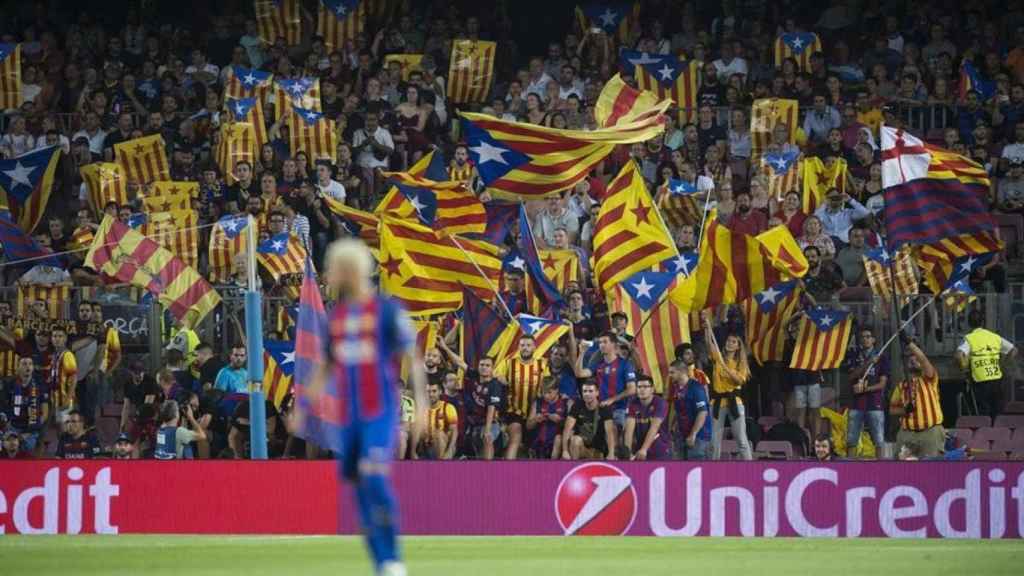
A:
{"points": [[524, 374]]}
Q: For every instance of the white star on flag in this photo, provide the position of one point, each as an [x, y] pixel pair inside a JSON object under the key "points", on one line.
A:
{"points": [[608, 18], [288, 358], [464, 64], [666, 72], [797, 43], [884, 256], [679, 189], [488, 153], [415, 201], [643, 289], [312, 116], [277, 245], [230, 225], [769, 296], [682, 264], [249, 79], [340, 10], [20, 174], [239, 110], [968, 264], [518, 262], [779, 164], [535, 326], [826, 320], [297, 89]]}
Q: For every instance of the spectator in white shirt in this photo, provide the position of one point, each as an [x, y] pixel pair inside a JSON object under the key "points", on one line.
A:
{"points": [[298, 225], [326, 185], [731, 61], [569, 84], [538, 79], [93, 133], [555, 215], [202, 70], [17, 140], [838, 214], [1014, 151], [374, 146]]}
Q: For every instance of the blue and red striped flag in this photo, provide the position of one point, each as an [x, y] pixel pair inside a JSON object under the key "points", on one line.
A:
{"points": [[931, 194], [26, 182], [543, 287], [481, 326], [500, 218], [20, 246], [317, 402], [970, 80]]}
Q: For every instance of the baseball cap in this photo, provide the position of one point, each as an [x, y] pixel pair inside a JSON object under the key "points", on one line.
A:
{"points": [[124, 437], [10, 434], [80, 140]]}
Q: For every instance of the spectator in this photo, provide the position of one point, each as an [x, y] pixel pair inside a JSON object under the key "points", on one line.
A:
{"points": [[545, 421], [555, 215], [820, 120], [28, 402], [731, 373], [791, 215], [76, 443], [813, 236], [442, 427], [824, 279], [524, 373], [688, 392], [11, 448], [916, 402], [615, 376], [745, 219], [646, 433], [806, 398], [234, 378], [1010, 188], [824, 450], [124, 448], [172, 439], [851, 260], [869, 377], [589, 432]]}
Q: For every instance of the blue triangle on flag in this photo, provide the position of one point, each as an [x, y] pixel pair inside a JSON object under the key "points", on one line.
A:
{"points": [[283, 353], [492, 157], [646, 288], [826, 318], [768, 299]]}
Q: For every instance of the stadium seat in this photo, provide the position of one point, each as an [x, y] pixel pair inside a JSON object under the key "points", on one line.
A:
{"points": [[993, 434], [107, 430], [766, 422], [973, 422], [964, 434], [1015, 407], [988, 456], [1011, 229], [775, 448], [979, 444], [730, 449], [1012, 421], [1018, 455], [1010, 445]]}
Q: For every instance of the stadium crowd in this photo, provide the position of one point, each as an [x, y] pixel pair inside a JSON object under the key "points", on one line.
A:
{"points": [[90, 82]]}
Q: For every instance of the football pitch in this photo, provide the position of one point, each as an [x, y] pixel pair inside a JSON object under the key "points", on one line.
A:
{"points": [[534, 556]]}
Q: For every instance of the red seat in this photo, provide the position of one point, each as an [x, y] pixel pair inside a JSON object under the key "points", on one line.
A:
{"points": [[1010, 421], [776, 448], [979, 444], [730, 449], [766, 422], [964, 434], [993, 434], [988, 456], [1018, 455], [1011, 445], [973, 422]]}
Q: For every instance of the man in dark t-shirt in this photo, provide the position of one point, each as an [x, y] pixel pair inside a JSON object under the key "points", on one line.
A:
{"points": [[485, 400], [589, 429], [77, 443]]}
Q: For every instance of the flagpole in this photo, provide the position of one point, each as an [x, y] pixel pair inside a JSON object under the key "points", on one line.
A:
{"points": [[904, 324], [490, 284], [254, 352], [703, 217]]}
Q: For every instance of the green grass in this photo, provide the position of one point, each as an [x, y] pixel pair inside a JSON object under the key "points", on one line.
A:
{"points": [[519, 556]]}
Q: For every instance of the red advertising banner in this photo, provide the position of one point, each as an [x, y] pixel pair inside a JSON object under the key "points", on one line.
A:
{"points": [[766, 499]]}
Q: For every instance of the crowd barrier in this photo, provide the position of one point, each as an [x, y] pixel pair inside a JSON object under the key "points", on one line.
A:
{"points": [[762, 499]]}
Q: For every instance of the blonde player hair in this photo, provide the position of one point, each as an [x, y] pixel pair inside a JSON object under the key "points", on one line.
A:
{"points": [[352, 256]]}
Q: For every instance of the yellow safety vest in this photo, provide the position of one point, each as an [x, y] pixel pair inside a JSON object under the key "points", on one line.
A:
{"points": [[984, 359]]}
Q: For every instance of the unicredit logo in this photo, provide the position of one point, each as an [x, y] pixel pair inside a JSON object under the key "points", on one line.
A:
{"points": [[595, 499]]}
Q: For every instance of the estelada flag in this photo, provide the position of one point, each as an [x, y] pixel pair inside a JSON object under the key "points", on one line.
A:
{"points": [[667, 76], [765, 115], [677, 200], [879, 262], [278, 19], [766, 315], [227, 240], [144, 160], [313, 133], [249, 110], [620, 102], [247, 83], [296, 93], [281, 254], [821, 339], [237, 143], [125, 254], [471, 71], [447, 206], [799, 46], [339, 21], [10, 76], [278, 368], [358, 223], [546, 333], [26, 182], [614, 19], [106, 183], [783, 171]]}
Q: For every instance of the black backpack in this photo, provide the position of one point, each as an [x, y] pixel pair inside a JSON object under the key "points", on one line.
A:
{"points": [[790, 432]]}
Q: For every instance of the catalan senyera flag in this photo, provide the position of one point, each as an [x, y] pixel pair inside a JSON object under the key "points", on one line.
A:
{"points": [[279, 19], [936, 260], [281, 254], [10, 76], [237, 143], [667, 77], [615, 19], [249, 110], [127, 255], [177, 231], [821, 339], [363, 225], [677, 201], [877, 265], [818, 178], [313, 133], [278, 368], [247, 83], [798, 46], [426, 331], [447, 206], [425, 270], [54, 297], [527, 162], [783, 172], [766, 315], [25, 185], [144, 160], [546, 333], [409, 63], [620, 102], [629, 235], [339, 21], [657, 325], [106, 183], [765, 115], [931, 194], [301, 93], [733, 266], [227, 240], [471, 70], [170, 196]]}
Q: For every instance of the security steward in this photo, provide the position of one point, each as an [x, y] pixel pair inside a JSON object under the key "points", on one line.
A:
{"points": [[981, 353]]}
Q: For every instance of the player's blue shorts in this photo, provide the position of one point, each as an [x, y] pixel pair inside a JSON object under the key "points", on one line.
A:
{"points": [[372, 441]]}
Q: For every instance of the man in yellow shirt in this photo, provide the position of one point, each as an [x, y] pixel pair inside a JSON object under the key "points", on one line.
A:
{"points": [[442, 426], [979, 354], [63, 374], [916, 402], [867, 114]]}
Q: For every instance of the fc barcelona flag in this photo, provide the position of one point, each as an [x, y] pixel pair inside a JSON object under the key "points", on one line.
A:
{"points": [[313, 133], [298, 93], [821, 339], [317, 400], [19, 245], [480, 327], [10, 76], [613, 19], [339, 21], [249, 110], [247, 83], [765, 115], [281, 254], [278, 369], [106, 183], [666, 76], [798, 46], [278, 19], [766, 315], [227, 240], [471, 71], [144, 160], [971, 80], [237, 143], [26, 183]]}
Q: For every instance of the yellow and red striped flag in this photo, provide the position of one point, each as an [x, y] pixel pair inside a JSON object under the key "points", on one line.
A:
{"points": [[936, 260], [237, 143], [296, 93], [10, 76], [247, 83], [127, 255], [821, 339], [358, 223], [765, 115], [311, 132], [620, 102], [106, 183], [81, 238], [798, 46], [818, 178], [560, 267], [281, 254], [249, 110], [425, 271], [615, 21], [144, 160], [408, 62], [766, 315], [629, 235], [877, 264], [227, 240], [278, 369], [526, 162], [546, 333], [471, 71], [170, 196], [278, 19], [339, 21], [666, 76], [733, 266], [677, 201], [444, 206], [175, 231], [783, 172], [54, 297], [657, 324]]}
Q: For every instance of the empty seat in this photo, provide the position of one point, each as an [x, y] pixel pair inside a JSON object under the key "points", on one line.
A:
{"points": [[964, 434], [993, 434], [730, 449], [1018, 455], [973, 422], [766, 422], [1010, 421], [979, 444], [1018, 433], [776, 448], [988, 455], [1011, 445]]}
